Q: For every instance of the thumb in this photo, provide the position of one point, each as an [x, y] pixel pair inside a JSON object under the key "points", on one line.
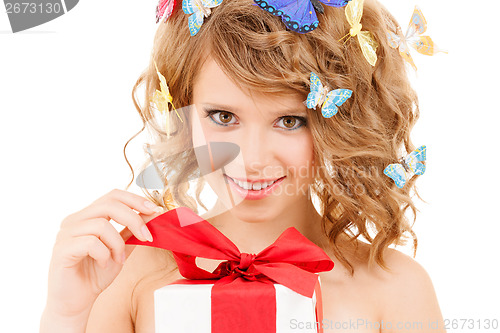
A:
{"points": [[126, 233]]}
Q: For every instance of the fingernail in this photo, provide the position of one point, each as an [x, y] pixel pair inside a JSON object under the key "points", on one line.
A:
{"points": [[146, 233], [150, 205]]}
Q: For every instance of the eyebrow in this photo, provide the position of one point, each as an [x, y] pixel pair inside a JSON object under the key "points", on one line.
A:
{"points": [[282, 112]]}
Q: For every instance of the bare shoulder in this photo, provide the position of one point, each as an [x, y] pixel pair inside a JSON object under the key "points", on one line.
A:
{"points": [[408, 294], [405, 272], [402, 298]]}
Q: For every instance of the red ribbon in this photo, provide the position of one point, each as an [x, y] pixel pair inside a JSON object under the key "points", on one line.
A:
{"points": [[243, 297]]}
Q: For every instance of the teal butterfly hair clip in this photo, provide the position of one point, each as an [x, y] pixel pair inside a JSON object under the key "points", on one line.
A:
{"points": [[410, 165], [200, 9], [329, 100]]}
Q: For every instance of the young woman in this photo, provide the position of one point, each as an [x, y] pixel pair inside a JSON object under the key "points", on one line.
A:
{"points": [[245, 78]]}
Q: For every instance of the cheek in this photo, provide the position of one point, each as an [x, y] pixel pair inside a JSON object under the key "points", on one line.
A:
{"points": [[296, 153]]}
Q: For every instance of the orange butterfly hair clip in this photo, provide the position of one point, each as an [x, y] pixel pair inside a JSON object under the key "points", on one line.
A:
{"points": [[414, 38]]}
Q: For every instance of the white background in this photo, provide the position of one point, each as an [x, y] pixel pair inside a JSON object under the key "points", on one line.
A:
{"points": [[66, 113]]}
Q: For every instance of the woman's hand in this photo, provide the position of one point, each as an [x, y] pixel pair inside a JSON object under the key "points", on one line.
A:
{"points": [[89, 253]]}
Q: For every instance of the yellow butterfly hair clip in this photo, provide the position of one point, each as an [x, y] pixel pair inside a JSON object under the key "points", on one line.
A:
{"points": [[163, 98], [354, 12], [423, 44]]}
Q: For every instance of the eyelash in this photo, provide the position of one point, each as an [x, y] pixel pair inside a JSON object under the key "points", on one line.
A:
{"points": [[209, 113]]}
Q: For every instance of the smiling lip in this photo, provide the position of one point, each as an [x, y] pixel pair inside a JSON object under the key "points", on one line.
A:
{"points": [[253, 194], [256, 180]]}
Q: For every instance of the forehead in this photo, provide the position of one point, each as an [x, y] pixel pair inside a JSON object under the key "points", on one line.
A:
{"points": [[213, 86]]}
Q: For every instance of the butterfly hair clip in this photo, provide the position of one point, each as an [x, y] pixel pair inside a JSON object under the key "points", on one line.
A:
{"points": [[329, 100], [410, 165], [200, 9], [368, 44], [298, 15], [162, 99], [413, 38], [164, 9]]}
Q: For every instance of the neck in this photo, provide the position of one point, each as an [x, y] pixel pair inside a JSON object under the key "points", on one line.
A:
{"points": [[253, 228]]}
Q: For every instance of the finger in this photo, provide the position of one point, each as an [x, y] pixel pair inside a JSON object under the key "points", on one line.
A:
{"points": [[126, 233], [73, 250], [131, 200], [129, 248], [103, 230], [134, 201], [118, 212]]}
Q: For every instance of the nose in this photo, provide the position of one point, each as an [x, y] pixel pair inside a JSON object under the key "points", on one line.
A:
{"points": [[257, 151]]}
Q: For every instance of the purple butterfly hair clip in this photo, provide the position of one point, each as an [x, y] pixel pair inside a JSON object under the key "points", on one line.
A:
{"points": [[298, 15]]}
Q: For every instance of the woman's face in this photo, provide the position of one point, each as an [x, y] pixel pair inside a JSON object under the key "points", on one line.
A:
{"points": [[275, 144]]}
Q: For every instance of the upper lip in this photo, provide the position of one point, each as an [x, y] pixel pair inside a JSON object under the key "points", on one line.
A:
{"points": [[255, 180]]}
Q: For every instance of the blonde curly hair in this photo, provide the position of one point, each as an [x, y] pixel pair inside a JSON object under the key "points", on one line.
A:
{"points": [[370, 131]]}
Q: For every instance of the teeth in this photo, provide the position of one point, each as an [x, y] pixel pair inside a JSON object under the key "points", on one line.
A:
{"points": [[254, 186]]}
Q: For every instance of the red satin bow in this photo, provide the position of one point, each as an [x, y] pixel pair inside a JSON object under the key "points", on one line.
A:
{"points": [[290, 261]]}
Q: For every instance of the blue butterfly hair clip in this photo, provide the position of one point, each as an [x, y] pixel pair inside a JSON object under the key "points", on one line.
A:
{"points": [[329, 101], [298, 15], [200, 9], [410, 165]]}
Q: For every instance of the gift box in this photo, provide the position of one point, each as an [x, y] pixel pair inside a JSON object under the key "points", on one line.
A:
{"points": [[267, 292], [184, 307]]}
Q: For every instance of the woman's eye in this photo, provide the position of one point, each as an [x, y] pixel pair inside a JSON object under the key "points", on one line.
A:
{"points": [[289, 122], [223, 118]]}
